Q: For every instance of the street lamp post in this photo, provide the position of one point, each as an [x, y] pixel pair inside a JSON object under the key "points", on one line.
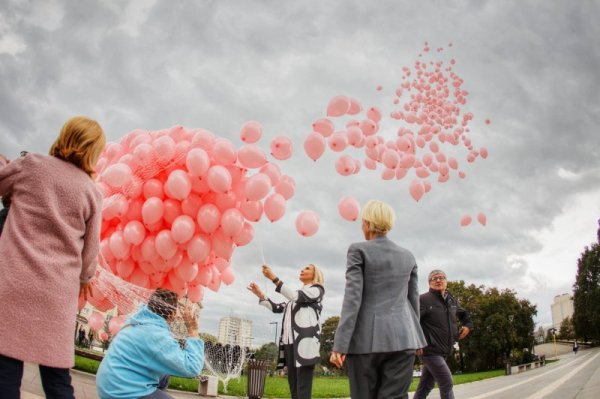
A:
{"points": [[276, 329]]}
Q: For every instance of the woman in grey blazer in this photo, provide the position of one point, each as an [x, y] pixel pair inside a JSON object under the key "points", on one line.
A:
{"points": [[379, 328], [300, 330]]}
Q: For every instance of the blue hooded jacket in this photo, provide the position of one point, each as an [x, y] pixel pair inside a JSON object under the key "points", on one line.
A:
{"points": [[141, 353]]}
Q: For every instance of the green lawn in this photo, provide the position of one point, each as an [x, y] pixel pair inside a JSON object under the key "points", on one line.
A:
{"points": [[277, 387]]}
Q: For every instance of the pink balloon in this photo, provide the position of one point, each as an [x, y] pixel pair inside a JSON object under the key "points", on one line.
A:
{"points": [[224, 152], [125, 268], [483, 152], [314, 146], [407, 160], [390, 158], [134, 232], [370, 164], [153, 188], [338, 106], [117, 175], [186, 271], [149, 249], [198, 248], [191, 205], [416, 189], [152, 210], [219, 179], [221, 264], [286, 187], [273, 171], [338, 141], [165, 245], [172, 209], [462, 174], [95, 321], [208, 218], [245, 236], [203, 139], [374, 114], [115, 324], [307, 223], [252, 210], [195, 293], [323, 126], [388, 174], [349, 208], [103, 336], [453, 163], [344, 165], [400, 173], [197, 162], [178, 185], [232, 222], [274, 207], [221, 244], [481, 218], [118, 246], [183, 229], [368, 127], [251, 132], [354, 135], [251, 156], [422, 172], [465, 220], [139, 278], [215, 282], [227, 276], [204, 275], [164, 148], [355, 107], [281, 148], [426, 185], [257, 187], [115, 206]]}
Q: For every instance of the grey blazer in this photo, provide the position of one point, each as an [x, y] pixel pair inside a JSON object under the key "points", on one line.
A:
{"points": [[380, 312]]}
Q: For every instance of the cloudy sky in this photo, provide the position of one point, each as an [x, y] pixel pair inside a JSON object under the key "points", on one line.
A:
{"points": [[531, 67]]}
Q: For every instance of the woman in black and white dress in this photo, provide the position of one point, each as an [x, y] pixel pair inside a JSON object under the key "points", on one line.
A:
{"points": [[300, 330]]}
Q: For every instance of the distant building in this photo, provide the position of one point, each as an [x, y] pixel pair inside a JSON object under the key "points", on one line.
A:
{"points": [[235, 331], [561, 309]]}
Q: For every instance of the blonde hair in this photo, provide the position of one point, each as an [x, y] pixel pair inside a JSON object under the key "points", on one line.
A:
{"points": [[379, 216], [80, 142], [318, 278]]}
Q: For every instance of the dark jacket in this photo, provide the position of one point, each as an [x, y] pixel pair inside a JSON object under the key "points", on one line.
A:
{"points": [[438, 321]]}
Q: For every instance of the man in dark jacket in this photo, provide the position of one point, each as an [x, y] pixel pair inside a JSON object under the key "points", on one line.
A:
{"points": [[439, 312]]}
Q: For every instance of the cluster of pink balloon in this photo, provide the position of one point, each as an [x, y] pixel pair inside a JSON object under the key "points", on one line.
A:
{"points": [[466, 219], [431, 117], [177, 202], [96, 322]]}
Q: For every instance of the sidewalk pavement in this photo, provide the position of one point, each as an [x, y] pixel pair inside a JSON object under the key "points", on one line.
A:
{"points": [[84, 384]]}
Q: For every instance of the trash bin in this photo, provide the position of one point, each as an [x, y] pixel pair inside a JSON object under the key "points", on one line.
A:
{"points": [[257, 372]]}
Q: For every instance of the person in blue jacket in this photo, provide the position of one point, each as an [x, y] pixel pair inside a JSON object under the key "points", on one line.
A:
{"points": [[144, 352]]}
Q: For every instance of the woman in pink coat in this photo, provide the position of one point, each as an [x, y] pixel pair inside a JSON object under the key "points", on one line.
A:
{"points": [[48, 253]]}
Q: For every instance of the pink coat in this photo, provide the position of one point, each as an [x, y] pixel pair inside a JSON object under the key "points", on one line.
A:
{"points": [[49, 245]]}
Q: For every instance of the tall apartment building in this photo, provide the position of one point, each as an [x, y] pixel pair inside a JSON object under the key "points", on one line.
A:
{"points": [[235, 331], [561, 309]]}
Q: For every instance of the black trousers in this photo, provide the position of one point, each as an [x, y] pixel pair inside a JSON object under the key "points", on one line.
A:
{"points": [[299, 378], [380, 375], [55, 381]]}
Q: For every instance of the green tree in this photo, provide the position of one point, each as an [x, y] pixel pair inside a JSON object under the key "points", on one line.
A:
{"points": [[327, 334], [268, 352], [206, 337], [503, 327], [566, 329], [586, 316]]}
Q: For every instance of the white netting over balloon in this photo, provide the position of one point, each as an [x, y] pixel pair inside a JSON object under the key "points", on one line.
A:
{"points": [[225, 362]]}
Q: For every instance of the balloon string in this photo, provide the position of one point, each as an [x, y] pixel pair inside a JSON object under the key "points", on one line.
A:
{"points": [[264, 262]]}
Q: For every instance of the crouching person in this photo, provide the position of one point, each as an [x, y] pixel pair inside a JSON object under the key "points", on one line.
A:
{"points": [[144, 353]]}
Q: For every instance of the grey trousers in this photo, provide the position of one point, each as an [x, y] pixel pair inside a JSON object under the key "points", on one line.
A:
{"points": [[435, 369], [380, 375], [299, 378], [160, 393]]}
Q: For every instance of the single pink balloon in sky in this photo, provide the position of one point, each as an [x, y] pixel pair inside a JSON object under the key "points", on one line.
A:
{"points": [[307, 223], [281, 148], [251, 132], [481, 218], [338, 106], [465, 220], [416, 189]]}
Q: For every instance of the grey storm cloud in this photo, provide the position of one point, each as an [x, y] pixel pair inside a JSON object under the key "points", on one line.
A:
{"points": [[529, 66]]}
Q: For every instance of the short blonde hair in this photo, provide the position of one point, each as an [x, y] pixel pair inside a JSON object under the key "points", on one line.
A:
{"points": [[379, 216], [318, 278], [80, 142]]}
